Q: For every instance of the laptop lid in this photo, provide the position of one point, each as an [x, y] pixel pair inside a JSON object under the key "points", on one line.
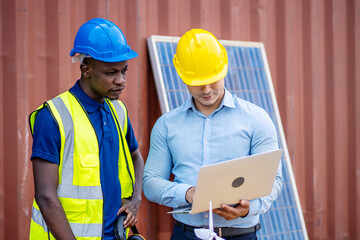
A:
{"points": [[227, 182]]}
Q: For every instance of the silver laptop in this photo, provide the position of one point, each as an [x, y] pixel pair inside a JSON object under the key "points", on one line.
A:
{"points": [[227, 182]]}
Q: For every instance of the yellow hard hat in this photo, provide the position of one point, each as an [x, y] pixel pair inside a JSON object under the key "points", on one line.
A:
{"points": [[200, 59]]}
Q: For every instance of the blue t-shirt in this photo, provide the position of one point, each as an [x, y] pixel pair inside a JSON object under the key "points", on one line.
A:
{"points": [[46, 145]]}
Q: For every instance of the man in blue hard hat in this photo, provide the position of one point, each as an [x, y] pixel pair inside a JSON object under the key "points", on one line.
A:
{"points": [[86, 162]]}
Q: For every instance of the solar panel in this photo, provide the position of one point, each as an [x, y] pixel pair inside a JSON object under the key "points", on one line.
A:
{"points": [[248, 78]]}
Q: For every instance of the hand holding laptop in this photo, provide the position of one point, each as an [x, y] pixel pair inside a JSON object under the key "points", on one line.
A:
{"points": [[228, 212], [226, 182], [190, 194]]}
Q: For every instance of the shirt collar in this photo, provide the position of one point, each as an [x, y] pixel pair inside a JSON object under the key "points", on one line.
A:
{"points": [[89, 104], [227, 101]]}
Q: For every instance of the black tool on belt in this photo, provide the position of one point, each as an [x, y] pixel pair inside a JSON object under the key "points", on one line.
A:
{"points": [[120, 231]]}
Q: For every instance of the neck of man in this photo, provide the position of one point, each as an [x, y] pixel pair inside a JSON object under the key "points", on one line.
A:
{"points": [[88, 91]]}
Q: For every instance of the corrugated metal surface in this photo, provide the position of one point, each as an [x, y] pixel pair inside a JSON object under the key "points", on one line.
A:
{"points": [[314, 55]]}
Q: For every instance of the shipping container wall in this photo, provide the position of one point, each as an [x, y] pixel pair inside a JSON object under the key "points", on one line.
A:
{"points": [[313, 48]]}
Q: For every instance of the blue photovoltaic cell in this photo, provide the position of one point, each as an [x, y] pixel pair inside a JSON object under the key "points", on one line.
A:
{"points": [[247, 79]]}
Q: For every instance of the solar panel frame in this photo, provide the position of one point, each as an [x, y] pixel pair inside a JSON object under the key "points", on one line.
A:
{"points": [[273, 112]]}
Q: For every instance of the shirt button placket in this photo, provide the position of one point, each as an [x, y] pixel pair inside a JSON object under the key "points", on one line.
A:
{"points": [[207, 135], [106, 129]]}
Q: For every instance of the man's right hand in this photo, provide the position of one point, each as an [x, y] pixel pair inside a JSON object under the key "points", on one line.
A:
{"points": [[228, 212], [189, 196]]}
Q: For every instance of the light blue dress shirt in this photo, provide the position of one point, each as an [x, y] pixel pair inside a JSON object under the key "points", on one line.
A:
{"points": [[184, 139]]}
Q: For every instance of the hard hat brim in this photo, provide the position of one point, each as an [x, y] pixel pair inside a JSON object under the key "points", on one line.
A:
{"points": [[124, 57], [206, 81]]}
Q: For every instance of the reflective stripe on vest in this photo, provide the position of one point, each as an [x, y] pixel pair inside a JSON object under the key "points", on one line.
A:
{"points": [[37, 217], [120, 112], [70, 191], [67, 170], [79, 230]]}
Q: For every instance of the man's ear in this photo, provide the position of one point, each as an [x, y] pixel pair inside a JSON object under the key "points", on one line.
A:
{"points": [[85, 70]]}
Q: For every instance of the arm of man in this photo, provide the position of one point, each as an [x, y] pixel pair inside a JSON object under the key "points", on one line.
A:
{"points": [[263, 139], [46, 180], [132, 205], [157, 186]]}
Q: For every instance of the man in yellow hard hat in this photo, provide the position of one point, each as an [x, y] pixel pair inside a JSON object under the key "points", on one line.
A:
{"points": [[212, 126]]}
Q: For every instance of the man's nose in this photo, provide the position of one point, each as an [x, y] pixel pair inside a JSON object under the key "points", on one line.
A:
{"points": [[119, 79], [206, 88]]}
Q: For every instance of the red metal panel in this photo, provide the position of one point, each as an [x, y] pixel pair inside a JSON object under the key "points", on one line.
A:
{"points": [[21, 133], [356, 183], [330, 143], [340, 119], [314, 55], [319, 120], [2, 155], [10, 160], [351, 124]]}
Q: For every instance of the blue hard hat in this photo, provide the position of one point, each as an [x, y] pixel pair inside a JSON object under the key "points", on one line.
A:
{"points": [[102, 40]]}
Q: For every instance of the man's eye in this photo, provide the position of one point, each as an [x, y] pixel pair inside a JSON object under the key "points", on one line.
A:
{"points": [[110, 73], [124, 70]]}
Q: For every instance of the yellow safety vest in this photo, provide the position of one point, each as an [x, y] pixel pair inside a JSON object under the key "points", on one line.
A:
{"points": [[79, 188]]}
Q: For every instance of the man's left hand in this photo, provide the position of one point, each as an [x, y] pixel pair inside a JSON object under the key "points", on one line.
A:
{"points": [[131, 207], [229, 213]]}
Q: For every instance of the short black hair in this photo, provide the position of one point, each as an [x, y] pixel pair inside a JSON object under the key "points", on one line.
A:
{"points": [[88, 61]]}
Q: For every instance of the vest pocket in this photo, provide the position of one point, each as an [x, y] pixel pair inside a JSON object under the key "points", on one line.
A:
{"points": [[89, 160], [88, 170], [75, 209]]}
